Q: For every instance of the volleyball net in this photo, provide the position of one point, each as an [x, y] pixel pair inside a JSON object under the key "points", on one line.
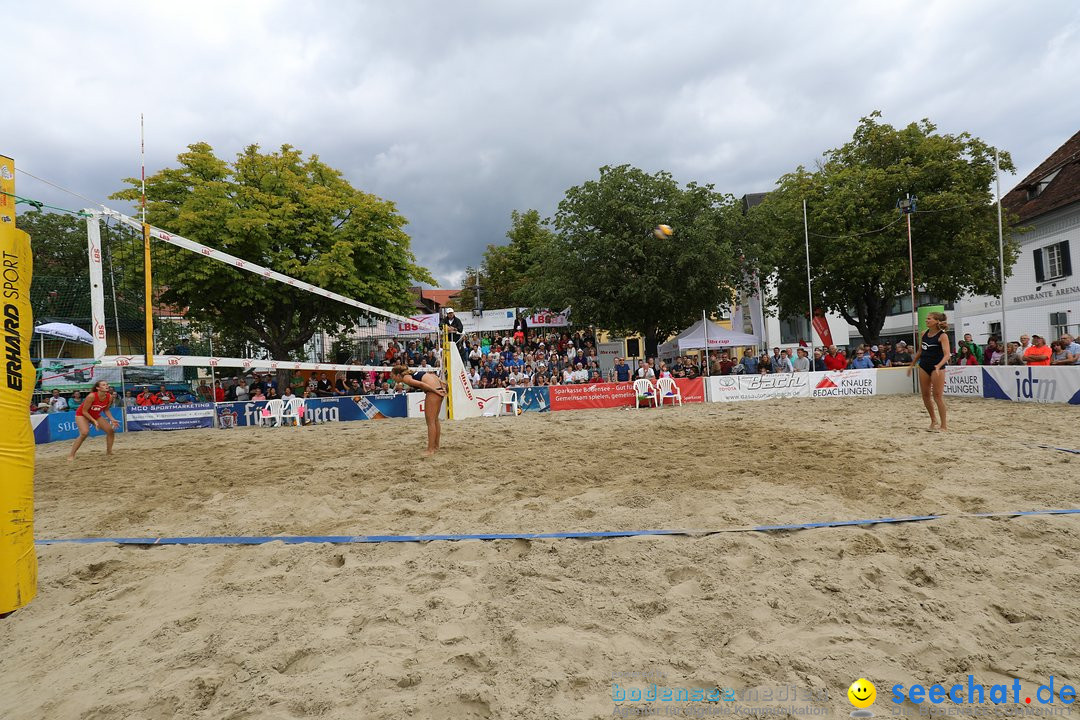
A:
{"points": [[200, 306]]}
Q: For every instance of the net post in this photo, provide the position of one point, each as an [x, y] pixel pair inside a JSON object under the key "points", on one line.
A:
{"points": [[97, 284], [444, 334], [149, 310]]}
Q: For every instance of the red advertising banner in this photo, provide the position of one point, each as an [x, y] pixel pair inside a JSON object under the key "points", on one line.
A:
{"points": [[821, 324], [612, 395]]}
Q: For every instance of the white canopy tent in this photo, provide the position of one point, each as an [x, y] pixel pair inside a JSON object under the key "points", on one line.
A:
{"points": [[719, 338]]}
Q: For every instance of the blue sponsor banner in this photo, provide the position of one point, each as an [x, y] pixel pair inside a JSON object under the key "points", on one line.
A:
{"points": [[326, 409], [181, 416], [61, 426], [533, 399]]}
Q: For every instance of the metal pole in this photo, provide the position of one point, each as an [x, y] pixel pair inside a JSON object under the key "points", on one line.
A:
{"points": [[1001, 258], [705, 327], [911, 269], [809, 290], [148, 318]]}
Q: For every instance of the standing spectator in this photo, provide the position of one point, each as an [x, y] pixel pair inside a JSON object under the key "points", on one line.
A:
{"points": [[1070, 346], [834, 359], [991, 353], [323, 388], [219, 392], [725, 365], [802, 363], [453, 326], [764, 364], [241, 391], [57, 402], [973, 347], [270, 384], [622, 370], [230, 389], [1058, 354], [882, 359], [1012, 354], [861, 362], [749, 362], [1039, 352], [902, 356], [819, 361], [781, 363], [1025, 343], [75, 400], [146, 398], [129, 401]]}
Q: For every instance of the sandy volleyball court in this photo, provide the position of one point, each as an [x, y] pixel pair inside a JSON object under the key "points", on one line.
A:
{"points": [[539, 629]]}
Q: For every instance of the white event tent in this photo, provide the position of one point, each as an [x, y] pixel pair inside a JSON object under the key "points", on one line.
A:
{"points": [[695, 336]]}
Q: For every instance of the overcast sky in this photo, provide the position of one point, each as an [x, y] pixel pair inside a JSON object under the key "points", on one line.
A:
{"points": [[460, 112]]}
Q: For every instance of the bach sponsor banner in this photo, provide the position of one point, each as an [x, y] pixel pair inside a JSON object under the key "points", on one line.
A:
{"points": [[182, 416], [1041, 384], [733, 388], [609, 395], [963, 381], [844, 383]]}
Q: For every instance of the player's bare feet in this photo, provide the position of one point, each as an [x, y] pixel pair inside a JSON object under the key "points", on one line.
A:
{"points": [[944, 428], [933, 426], [429, 452]]}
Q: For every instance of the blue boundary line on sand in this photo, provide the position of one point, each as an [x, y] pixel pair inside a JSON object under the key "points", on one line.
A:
{"points": [[349, 539]]}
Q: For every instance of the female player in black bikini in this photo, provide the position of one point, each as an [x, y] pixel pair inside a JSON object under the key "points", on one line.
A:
{"points": [[934, 352], [434, 391], [97, 401]]}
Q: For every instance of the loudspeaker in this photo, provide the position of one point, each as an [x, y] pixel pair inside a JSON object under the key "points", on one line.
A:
{"points": [[633, 347]]}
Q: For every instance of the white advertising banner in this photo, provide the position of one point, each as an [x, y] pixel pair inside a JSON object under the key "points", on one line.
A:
{"points": [[1041, 384], [844, 383], [963, 381], [490, 321], [734, 388]]}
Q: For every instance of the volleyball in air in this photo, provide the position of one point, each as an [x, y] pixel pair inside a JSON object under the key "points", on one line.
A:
{"points": [[662, 232]]}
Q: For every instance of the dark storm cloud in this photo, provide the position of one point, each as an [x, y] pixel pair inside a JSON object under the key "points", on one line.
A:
{"points": [[462, 112]]}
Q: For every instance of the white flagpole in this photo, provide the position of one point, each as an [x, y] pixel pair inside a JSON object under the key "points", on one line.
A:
{"points": [[1001, 258], [809, 290]]}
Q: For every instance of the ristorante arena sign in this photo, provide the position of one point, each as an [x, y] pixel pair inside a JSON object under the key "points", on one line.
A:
{"points": [[1047, 294]]}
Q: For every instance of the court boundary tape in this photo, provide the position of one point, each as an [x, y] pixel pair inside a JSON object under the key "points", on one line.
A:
{"points": [[586, 535]]}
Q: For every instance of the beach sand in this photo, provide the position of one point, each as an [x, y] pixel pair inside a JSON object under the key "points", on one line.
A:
{"points": [[544, 628]]}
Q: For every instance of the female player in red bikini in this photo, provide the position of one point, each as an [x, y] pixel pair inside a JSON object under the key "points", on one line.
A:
{"points": [[434, 392], [89, 413]]}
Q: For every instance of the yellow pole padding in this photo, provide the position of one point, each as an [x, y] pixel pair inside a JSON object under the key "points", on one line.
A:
{"points": [[18, 560]]}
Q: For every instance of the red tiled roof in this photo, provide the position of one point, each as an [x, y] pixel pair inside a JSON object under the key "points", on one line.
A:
{"points": [[440, 297], [1063, 190]]}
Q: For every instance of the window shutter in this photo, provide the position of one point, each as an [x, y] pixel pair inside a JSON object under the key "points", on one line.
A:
{"points": [[1039, 274], [1066, 262]]}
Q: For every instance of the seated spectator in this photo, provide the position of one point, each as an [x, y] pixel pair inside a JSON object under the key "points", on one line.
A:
{"points": [[57, 402], [271, 393], [341, 385], [580, 375], [287, 393], [205, 393], [230, 389], [964, 356], [1038, 353], [664, 371], [323, 388], [39, 409], [146, 398], [355, 388], [258, 396], [75, 400], [164, 397], [129, 400], [269, 384]]}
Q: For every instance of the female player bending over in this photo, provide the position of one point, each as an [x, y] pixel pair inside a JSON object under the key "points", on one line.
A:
{"points": [[434, 392], [934, 352], [89, 413]]}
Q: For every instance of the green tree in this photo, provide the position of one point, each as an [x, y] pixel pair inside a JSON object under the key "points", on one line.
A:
{"points": [[60, 290], [294, 215], [506, 269], [606, 263], [858, 239]]}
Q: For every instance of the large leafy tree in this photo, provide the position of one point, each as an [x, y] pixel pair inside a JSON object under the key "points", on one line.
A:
{"points": [[858, 238], [605, 262], [505, 269], [61, 286], [293, 214]]}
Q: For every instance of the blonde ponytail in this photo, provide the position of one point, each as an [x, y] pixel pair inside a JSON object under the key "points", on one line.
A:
{"points": [[943, 322]]}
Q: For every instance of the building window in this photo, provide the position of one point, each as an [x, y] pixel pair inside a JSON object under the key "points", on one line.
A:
{"points": [[995, 330], [793, 329], [1059, 324], [1052, 262]]}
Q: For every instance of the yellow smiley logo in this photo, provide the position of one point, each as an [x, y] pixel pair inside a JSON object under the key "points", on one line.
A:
{"points": [[862, 693]]}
